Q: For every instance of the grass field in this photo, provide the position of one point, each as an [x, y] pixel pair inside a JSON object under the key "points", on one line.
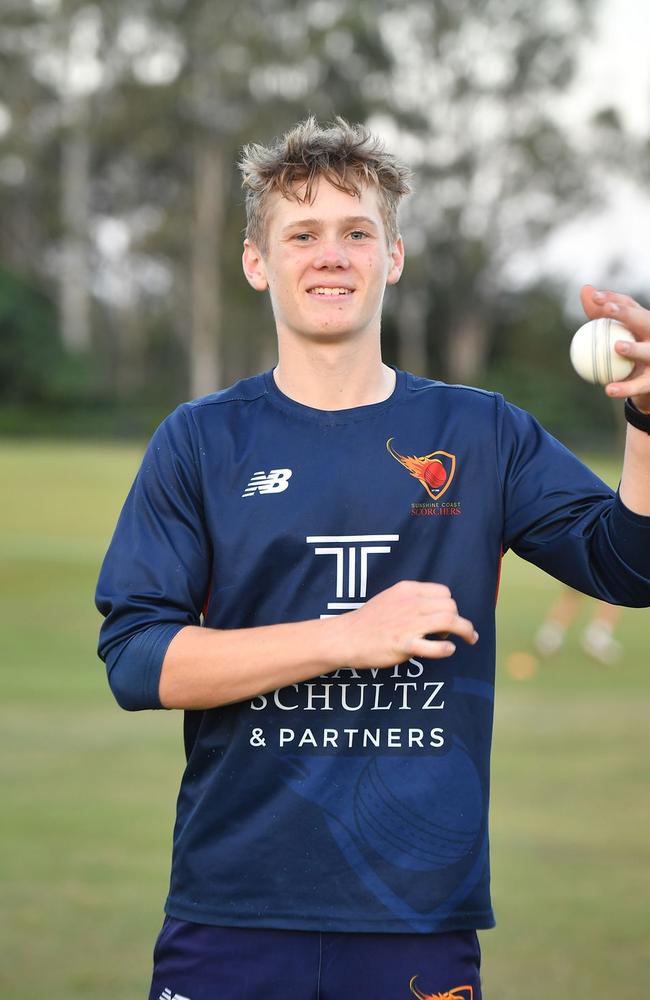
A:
{"points": [[89, 791]]}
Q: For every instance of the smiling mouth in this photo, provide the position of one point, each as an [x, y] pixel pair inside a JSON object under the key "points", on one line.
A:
{"points": [[329, 293]]}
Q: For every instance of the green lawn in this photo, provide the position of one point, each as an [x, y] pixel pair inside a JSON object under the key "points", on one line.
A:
{"points": [[89, 791]]}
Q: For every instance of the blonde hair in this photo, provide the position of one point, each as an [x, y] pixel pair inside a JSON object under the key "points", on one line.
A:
{"points": [[348, 156]]}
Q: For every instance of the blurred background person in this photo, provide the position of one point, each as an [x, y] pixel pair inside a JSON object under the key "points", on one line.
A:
{"points": [[596, 638]]}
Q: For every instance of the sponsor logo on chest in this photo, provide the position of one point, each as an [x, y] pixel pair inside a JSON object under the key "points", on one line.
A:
{"points": [[275, 481], [435, 472]]}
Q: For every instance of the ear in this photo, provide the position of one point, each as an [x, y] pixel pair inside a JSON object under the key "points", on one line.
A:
{"points": [[397, 262], [253, 264]]}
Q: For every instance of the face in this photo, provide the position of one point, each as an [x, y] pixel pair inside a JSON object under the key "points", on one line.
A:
{"points": [[326, 266]]}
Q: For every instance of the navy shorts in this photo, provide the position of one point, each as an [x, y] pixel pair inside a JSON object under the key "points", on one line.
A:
{"points": [[201, 962]]}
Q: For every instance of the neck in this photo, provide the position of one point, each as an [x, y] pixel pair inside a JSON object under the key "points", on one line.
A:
{"points": [[334, 376]]}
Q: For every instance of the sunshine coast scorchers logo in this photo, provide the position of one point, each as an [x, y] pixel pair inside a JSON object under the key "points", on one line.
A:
{"points": [[456, 993], [435, 472]]}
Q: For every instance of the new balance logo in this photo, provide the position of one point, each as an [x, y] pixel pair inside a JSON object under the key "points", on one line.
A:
{"points": [[275, 482], [167, 995]]}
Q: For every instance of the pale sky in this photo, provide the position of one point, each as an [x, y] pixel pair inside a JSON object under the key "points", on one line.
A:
{"points": [[615, 70], [616, 65]]}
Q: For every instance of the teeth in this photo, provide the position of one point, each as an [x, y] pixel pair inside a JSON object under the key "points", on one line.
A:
{"points": [[330, 291]]}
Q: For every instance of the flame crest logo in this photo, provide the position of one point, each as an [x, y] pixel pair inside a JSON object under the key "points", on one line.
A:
{"points": [[435, 471], [456, 993]]}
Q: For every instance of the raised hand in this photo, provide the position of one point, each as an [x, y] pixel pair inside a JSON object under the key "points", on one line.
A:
{"points": [[637, 320]]}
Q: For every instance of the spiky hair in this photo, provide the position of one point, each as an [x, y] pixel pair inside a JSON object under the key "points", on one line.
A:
{"points": [[348, 156]]}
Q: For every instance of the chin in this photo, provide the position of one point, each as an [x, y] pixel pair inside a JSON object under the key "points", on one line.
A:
{"points": [[327, 334]]}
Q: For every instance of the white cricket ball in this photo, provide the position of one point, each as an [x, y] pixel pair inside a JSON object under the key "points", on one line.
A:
{"points": [[593, 355]]}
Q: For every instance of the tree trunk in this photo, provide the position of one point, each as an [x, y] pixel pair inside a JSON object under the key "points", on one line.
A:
{"points": [[412, 331], [130, 370], [467, 349], [74, 291], [209, 214]]}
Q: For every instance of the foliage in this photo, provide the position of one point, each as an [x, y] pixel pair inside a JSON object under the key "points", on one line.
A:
{"points": [[45, 390], [530, 365], [32, 360]]}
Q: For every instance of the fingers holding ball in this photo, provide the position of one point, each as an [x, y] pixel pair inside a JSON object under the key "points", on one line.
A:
{"points": [[593, 354]]}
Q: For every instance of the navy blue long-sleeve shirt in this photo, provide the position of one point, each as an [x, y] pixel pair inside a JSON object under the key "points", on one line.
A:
{"points": [[357, 800]]}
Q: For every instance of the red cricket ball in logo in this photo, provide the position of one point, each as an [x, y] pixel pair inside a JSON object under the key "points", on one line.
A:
{"points": [[434, 474]]}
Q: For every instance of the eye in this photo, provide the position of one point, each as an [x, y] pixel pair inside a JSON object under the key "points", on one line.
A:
{"points": [[358, 234], [302, 237]]}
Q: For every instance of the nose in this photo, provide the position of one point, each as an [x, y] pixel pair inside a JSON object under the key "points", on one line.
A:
{"points": [[331, 255]]}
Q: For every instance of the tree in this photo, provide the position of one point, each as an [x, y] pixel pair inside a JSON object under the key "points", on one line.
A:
{"points": [[495, 168], [121, 122], [245, 72]]}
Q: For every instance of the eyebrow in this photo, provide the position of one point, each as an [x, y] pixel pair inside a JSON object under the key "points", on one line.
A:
{"points": [[349, 220]]}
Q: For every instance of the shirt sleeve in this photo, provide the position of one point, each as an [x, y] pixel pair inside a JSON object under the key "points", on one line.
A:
{"points": [[560, 516], [156, 573]]}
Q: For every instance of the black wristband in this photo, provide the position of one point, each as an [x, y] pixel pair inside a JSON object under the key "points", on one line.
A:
{"points": [[635, 417]]}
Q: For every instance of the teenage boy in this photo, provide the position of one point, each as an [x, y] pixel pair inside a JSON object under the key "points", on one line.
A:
{"points": [[304, 565]]}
